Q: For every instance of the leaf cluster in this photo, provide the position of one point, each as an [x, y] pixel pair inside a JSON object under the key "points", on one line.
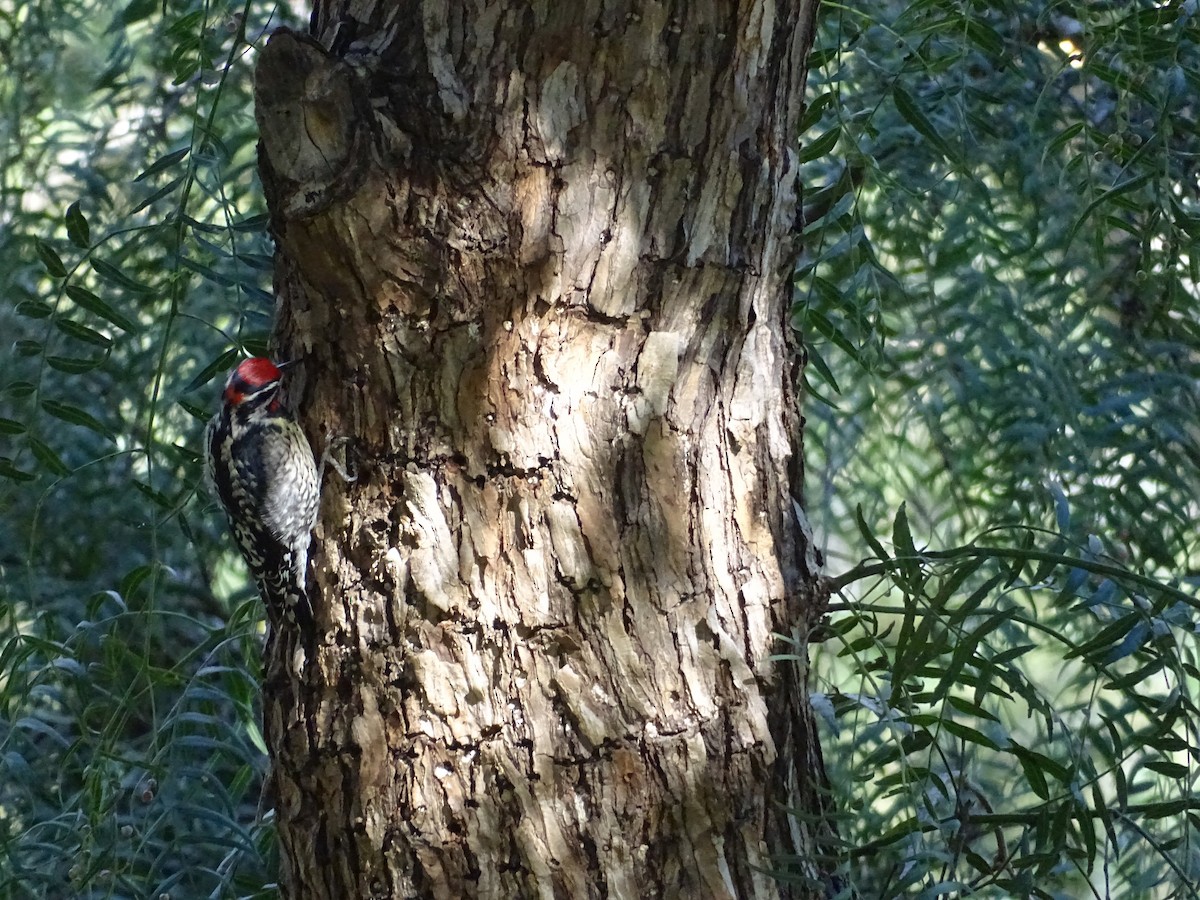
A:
{"points": [[134, 265], [999, 306]]}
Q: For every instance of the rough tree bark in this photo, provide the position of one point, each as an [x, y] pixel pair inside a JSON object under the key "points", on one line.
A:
{"points": [[537, 259]]}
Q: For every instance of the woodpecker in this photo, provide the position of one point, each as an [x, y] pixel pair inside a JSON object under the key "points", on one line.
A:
{"points": [[267, 479]]}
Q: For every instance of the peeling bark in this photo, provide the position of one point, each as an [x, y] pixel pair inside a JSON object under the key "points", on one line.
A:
{"points": [[537, 259]]}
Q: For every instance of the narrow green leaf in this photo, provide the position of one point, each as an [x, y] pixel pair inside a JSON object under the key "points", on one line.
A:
{"points": [[901, 535], [1166, 808], [1113, 193], [1062, 137], [217, 250], [821, 146], [109, 272], [818, 363], [821, 56], [1088, 832], [77, 227], [100, 307], [1107, 637], [1169, 743], [950, 584], [900, 830], [1122, 784], [222, 363], [34, 309], [256, 345], [1133, 641], [73, 365], [902, 543], [195, 410], [50, 258], [50, 460], [82, 333], [203, 227], [252, 224], [1114, 734], [67, 412], [163, 162], [133, 12], [1034, 775], [971, 709], [9, 470], [1011, 653], [1136, 677], [157, 497], [965, 650], [207, 272], [818, 321], [1046, 567], [251, 729], [912, 114], [813, 111], [11, 426], [812, 392], [134, 580], [865, 531], [918, 642], [967, 733], [984, 36], [259, 261], [1168, 768], [157, 195], [19, 389]]}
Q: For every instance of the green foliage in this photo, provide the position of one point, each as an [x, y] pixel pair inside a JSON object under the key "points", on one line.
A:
{"points": [[1000, 307], [133, 259]]}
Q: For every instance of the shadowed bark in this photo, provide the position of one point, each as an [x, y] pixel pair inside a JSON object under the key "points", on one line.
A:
{"points": [[537, 259]]}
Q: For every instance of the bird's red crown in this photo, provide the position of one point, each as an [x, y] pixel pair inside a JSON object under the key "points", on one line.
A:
{"points": [[250, 377]]}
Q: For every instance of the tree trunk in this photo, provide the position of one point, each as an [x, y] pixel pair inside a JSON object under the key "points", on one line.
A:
{"points": [[537, 259]]}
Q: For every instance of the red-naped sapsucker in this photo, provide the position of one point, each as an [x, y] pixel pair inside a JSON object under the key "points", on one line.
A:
{"points": [[267, 479]]}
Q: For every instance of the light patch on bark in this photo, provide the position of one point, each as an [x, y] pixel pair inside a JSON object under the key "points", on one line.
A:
{"points": [[569, 548], [442, 682], [754, 384], [558, 111], [582, 699], [433, 562], [657, 369], [614, 289], [709, 234], [759, 30], [451, 93]]}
